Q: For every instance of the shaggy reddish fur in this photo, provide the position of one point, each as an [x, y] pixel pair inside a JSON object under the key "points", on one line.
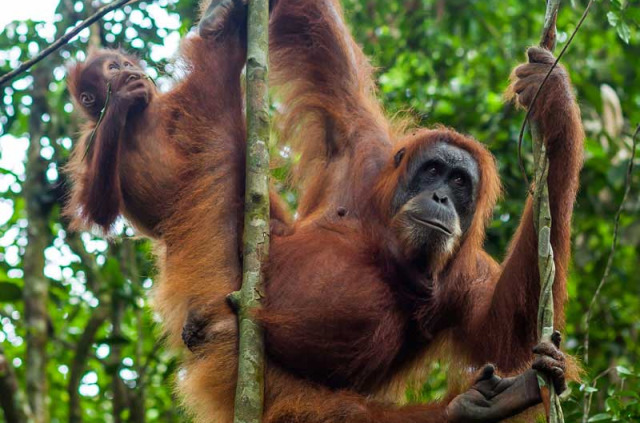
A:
{"points": [[345, 322]]}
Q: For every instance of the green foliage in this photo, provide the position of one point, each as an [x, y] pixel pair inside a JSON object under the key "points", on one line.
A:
{"points": [[10, 292], [438, 62]]}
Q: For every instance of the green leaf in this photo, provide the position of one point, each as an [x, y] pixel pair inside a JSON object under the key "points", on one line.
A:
{"points": [[613, 19], [624, 32], [10, 292], [618, 3], [623, 371], [599, 417], [627, 393]]}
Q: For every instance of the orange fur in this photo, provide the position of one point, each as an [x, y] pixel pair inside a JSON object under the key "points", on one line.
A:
{"points": [[344, 327]]}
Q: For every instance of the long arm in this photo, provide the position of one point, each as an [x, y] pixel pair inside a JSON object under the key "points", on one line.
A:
{"points": [[502, 326], [289, 398], [97, 197], [330, 114], [490, 399], [99, 194]]}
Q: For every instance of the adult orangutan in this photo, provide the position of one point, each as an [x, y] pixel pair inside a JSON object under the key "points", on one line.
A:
{"points": [[384, 265]]}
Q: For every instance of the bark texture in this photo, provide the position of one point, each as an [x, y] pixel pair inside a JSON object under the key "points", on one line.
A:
{"points": [[250, 388]]}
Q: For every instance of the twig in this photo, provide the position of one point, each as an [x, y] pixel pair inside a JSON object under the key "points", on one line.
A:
{"points": [[545, 40], [607, 268], [588, 396], [24, 66]]}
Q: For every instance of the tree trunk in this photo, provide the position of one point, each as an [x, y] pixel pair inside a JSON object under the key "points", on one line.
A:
{"points": [[250, 388], [36, 285]]}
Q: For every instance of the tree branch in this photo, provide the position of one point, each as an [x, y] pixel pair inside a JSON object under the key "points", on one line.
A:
{"points": [[24, 66], [250, 388]]}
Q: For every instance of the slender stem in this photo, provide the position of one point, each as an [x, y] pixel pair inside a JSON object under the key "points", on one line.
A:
{"points": [[250, 387], [542, 220], [607, 268], [24, 66]]}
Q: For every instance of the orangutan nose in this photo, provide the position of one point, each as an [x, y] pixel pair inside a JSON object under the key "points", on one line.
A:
{"points": [[440, 198]]}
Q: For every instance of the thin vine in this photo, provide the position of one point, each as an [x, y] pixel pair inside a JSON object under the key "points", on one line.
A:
{"points": [[546, 39], [607, 269]]}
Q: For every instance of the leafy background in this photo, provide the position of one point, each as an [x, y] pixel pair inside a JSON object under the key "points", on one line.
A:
{"points": [[76, 333]]}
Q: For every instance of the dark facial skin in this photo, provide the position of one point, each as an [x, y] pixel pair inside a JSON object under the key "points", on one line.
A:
{"points": [[436, 205], [127, 79]]}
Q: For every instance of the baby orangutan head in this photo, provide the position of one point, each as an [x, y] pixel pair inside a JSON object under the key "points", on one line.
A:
{"points": [[106, 72]]}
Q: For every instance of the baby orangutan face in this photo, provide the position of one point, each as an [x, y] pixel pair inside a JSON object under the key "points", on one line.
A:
{"points": [[109, 74]]}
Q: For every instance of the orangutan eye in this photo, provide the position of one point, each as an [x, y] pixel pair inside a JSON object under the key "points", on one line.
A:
{"points": [[114, 66], [432, 169], [127, 65], [459, 180], [87, 99]]}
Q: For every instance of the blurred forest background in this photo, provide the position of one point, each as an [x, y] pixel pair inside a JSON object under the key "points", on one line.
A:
{"points": [[78, 342]]}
